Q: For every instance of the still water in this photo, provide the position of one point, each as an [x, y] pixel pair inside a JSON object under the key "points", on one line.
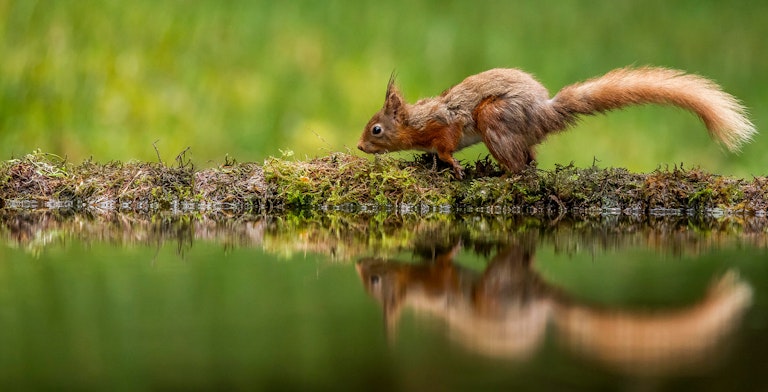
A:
{"points": [[381, 303]]}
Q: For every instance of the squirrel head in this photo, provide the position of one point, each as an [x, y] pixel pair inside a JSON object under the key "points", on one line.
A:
{"points": [[382, 133], [386, 282]]}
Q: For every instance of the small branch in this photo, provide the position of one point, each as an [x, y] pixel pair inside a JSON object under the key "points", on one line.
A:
{"points": [[180, 159], [154, 144]]}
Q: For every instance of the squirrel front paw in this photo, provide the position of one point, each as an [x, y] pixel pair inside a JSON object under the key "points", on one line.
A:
{"points": [[458, 172]]}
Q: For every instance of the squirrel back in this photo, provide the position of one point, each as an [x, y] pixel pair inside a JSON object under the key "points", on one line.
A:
{"points": [[511, 112]]}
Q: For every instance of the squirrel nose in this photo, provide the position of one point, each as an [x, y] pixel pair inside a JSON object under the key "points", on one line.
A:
{"points": [[360, 147]]}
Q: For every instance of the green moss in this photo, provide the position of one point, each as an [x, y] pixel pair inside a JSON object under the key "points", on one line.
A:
{"points": [[340, 179]]}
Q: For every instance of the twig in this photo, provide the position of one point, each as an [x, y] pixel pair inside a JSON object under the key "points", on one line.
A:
{"points": [[180, 159], [322, 139], [154, 144]]}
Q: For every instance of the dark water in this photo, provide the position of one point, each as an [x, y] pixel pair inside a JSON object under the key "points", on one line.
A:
{"points": [[381, 303]]}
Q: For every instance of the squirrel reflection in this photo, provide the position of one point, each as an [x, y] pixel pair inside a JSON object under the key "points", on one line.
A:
{"points": [[504, 311]]}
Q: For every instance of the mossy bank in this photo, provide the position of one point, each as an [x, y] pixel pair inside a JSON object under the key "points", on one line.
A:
{"points": [[344, 181]]}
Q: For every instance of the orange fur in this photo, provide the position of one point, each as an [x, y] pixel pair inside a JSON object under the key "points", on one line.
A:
{"points": [[511, 112], [505, 311]]}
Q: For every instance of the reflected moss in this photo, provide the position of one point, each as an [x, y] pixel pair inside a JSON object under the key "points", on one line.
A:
{"points": [[344, 235]]}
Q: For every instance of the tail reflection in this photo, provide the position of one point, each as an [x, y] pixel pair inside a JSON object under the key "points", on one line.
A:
{"points": [[504, 311], [662, 341]]}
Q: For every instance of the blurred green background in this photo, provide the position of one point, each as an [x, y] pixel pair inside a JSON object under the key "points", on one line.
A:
{"points": [[106, 79]]}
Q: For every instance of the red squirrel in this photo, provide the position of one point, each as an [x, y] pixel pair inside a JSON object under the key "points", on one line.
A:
{"points": [[511, 112]]}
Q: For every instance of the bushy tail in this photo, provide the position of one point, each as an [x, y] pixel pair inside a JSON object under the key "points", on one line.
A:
{"points": [[723, 114]]}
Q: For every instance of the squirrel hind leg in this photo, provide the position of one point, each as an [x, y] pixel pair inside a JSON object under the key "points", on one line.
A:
{"points": [[510, 151], [531, 156], [505, 136]]}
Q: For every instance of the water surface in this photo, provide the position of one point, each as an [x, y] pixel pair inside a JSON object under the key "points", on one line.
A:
{"points": [[381, 302]]}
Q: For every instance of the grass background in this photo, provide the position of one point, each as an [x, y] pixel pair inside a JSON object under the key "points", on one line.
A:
{"points": [[106, 79]]}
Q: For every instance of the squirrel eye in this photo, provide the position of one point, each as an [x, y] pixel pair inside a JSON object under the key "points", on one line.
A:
{"points": [[376, 129]]}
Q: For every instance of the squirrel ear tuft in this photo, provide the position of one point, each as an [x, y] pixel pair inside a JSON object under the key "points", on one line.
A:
{"points": [[393, 105], [391, 85], [394, 102]]}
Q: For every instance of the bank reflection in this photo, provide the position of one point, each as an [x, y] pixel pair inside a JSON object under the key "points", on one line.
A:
{"points": [[505, 310]]}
